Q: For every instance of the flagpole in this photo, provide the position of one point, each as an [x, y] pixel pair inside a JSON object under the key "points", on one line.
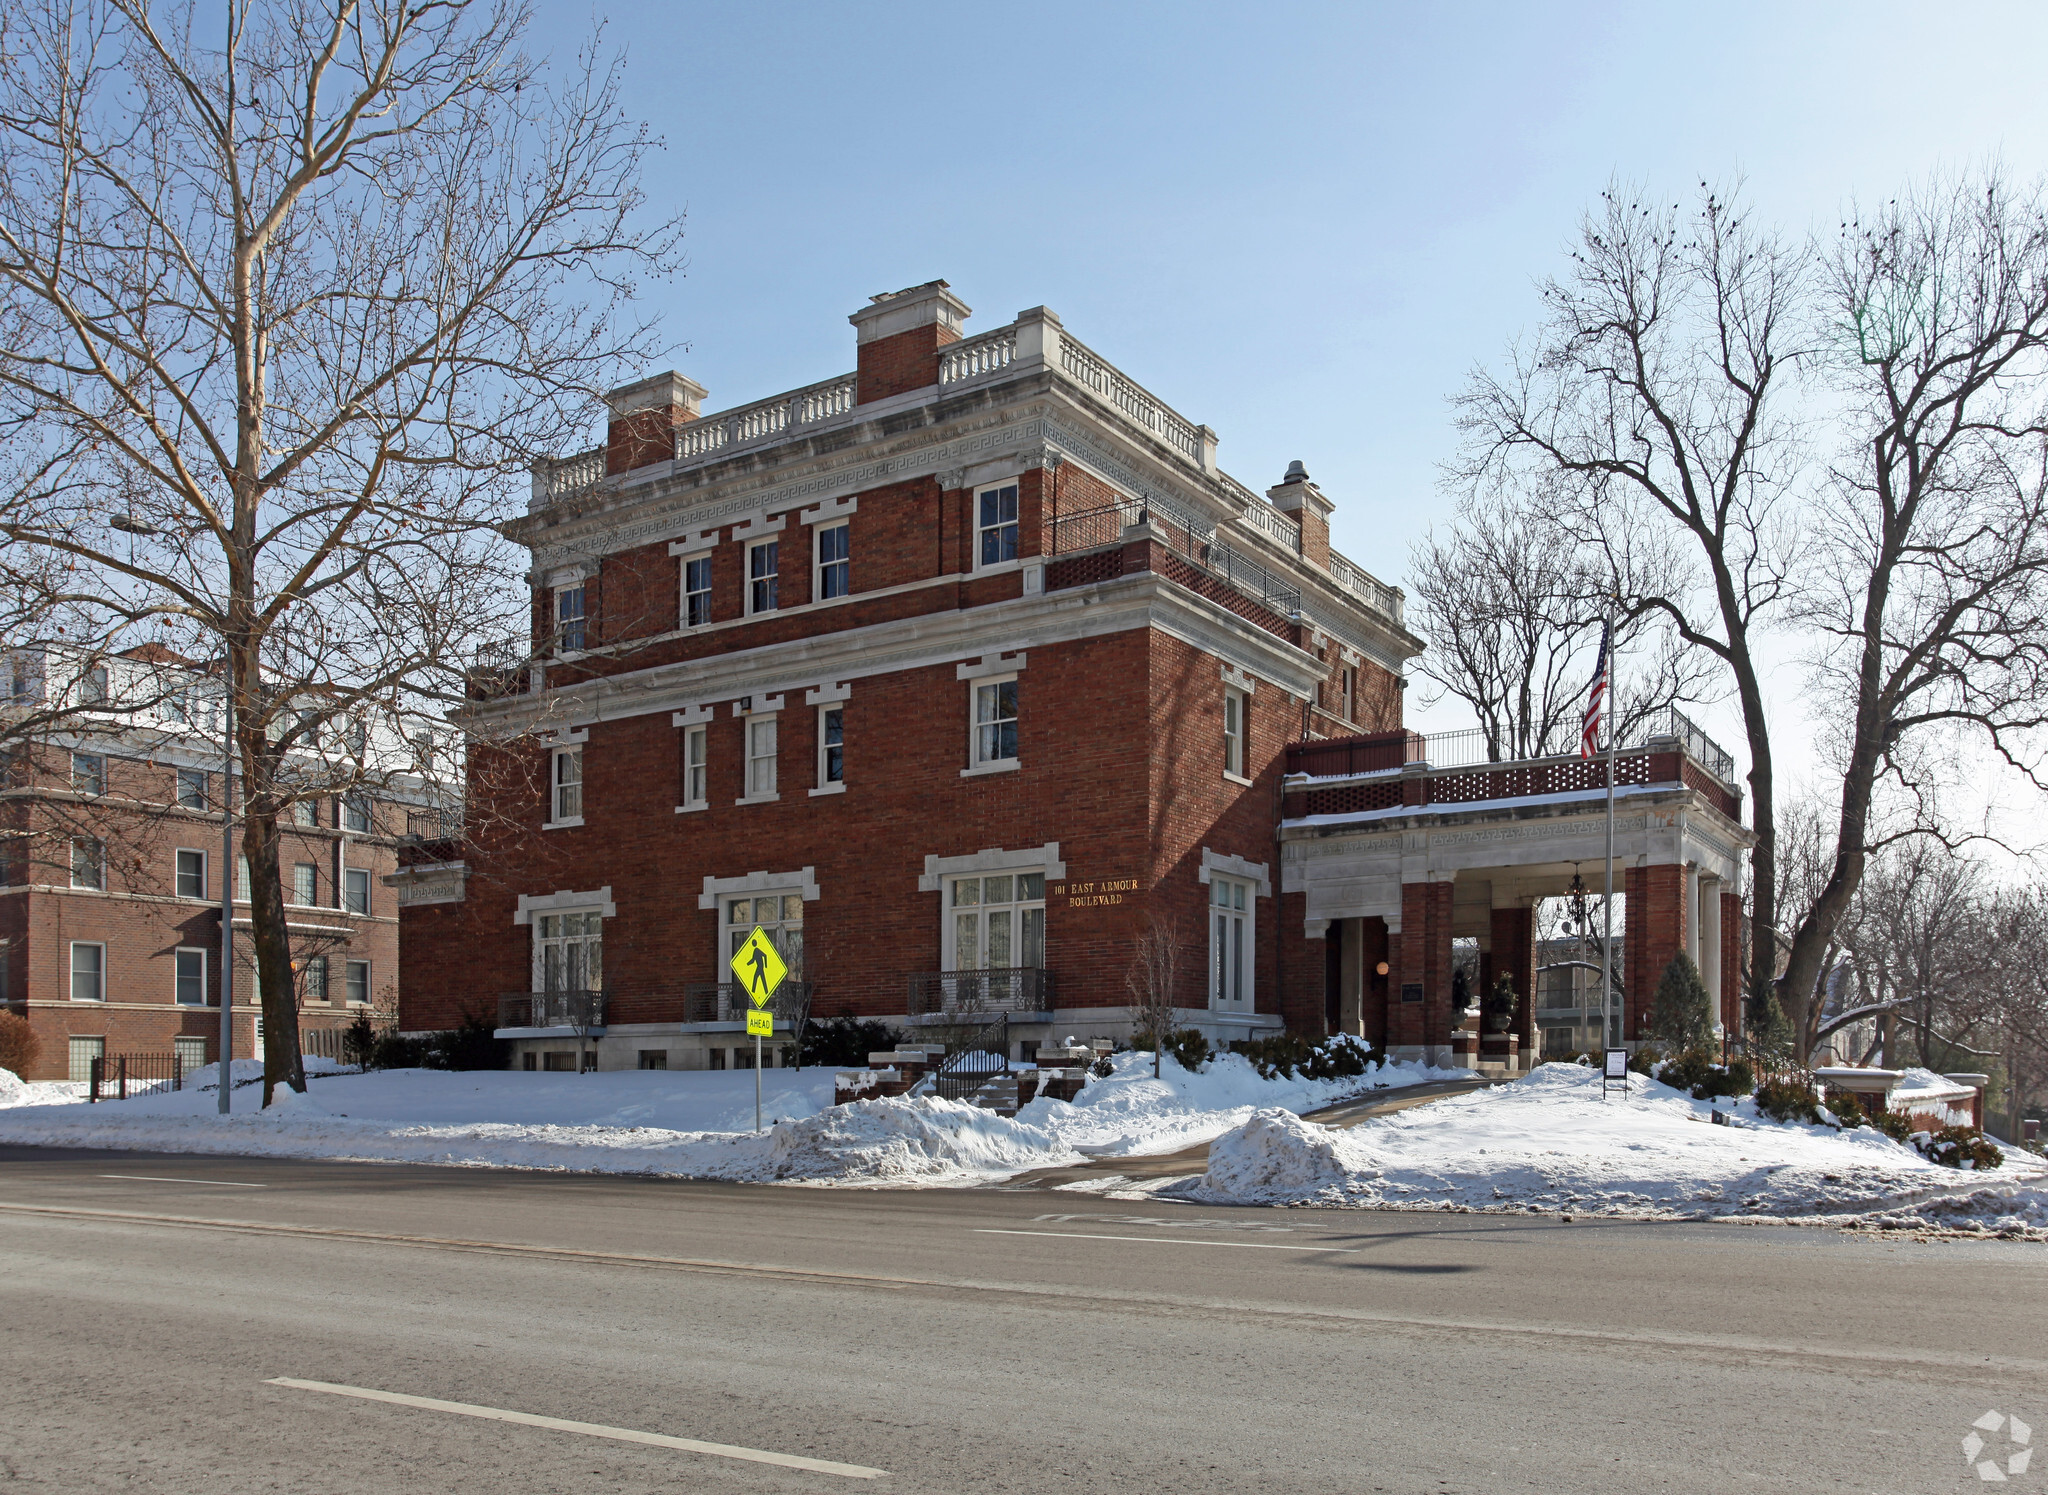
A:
{"points": [[1607, 944]]}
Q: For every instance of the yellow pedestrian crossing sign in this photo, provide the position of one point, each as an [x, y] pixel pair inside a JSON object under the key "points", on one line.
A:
{"points": [[759, 967], [761, 1023]]}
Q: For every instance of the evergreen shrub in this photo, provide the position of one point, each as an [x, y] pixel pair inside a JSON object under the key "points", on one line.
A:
{"points": [[1682, 1012], [1958, 1147], [845, 1042], [1788, 1100], [1851, 1112]]}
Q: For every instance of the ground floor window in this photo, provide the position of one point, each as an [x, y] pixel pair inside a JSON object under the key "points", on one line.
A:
{"points": [[568, 952], [997, 922], [1231, 951], [359, 981], [83, 1052], [781, 914], [654, 1058], [191, 1053], [88, 972]]}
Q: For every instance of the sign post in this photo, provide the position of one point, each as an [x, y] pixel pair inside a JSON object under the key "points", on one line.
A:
{"points": [[760, 969]]}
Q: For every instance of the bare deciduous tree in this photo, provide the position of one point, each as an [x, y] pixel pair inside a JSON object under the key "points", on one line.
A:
{"points": [[1153, 979], [293, 296]]}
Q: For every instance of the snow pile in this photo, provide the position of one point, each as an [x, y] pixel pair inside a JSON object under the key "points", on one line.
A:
{"points": [[1130, 1114], [14, 1090], [2010, 1213], [1550, 1142], [696, 1124]]}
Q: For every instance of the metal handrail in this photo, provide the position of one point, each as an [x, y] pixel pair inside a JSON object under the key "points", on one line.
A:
{"points": [[1186, 536], [974, 1063]]}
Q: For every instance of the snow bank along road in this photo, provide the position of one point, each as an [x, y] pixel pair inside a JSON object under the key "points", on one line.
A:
{"points": [[164, 1314]]}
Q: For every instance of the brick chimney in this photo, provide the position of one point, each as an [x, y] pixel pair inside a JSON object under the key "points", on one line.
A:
{"points": [[1302, 499], [644, 419], [900, 336]]}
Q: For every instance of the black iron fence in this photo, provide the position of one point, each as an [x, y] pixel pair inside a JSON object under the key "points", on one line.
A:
{"points": [[551, 1009], [1020, 989], [974, 1063], [1185, 535], [122, 1076]]}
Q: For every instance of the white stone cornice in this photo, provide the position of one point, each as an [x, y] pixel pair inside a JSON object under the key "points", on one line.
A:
{"points": [[1141, 600]]}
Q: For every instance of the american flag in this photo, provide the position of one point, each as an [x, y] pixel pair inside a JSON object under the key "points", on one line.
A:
{"points": [[1589, 734]]}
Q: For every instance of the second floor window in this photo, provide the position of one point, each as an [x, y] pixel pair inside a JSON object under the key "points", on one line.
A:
{"points": [[305, 885], [316, 979], [92, 686], [567, 796], [358, 973], [569, 617], [760, 756], [88, 863], [1233, 731], [356, 890], [998, 922], [191, 874], [192, 788], [355, 813], [696, 766], [995, 525], [831, 746], [696, 591], [762, 566], [995, 721], [835, 562], [89, 773], [306, 812]]}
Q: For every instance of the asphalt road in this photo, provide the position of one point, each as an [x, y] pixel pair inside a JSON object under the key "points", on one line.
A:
{"points": [[990, 1340]]}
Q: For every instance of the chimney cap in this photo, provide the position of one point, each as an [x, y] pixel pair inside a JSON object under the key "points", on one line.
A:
{"points": [[1296, 472], [924, 305], [657, 392]]}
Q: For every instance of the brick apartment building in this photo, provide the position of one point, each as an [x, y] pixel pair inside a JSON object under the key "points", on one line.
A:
{"points": [[959, 673], [110, 909]]}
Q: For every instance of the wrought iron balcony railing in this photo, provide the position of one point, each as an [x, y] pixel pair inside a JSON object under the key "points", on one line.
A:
{"points": [[727, 1002], [551, 1009], [1019, 989]]}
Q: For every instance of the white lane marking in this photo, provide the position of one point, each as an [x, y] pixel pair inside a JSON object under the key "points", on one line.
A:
{"points": [[218, 1183], [1166, 1240], [591, 1429]]}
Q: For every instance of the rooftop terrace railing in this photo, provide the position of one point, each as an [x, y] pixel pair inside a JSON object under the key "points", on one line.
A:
{"points": [[1095, 373], [1470, 748], [1184, 534]]}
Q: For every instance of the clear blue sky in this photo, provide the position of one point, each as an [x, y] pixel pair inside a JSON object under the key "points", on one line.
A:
{"points": [[1300, 224]]}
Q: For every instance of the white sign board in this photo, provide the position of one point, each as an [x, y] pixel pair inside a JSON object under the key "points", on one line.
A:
{"points": [[1617, 1065]]}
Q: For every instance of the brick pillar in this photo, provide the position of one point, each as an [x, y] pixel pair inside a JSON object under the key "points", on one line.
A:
{"points": [[1418, 1027], [1375, 951], [1656, 934], [644, 417], [1514, 956], [900, 335]]}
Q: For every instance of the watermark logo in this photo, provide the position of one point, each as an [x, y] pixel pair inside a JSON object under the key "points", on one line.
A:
{"points": [[2018, 1436]]}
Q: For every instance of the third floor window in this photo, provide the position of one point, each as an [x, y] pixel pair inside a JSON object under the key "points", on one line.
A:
{"points": [[835, 562], [569, 617], [995, 525], [762, 566], [696, 591]]}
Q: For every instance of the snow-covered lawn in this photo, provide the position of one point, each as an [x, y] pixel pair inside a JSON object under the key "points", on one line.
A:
{"points": [[696, 1123], [1549, 1142]]}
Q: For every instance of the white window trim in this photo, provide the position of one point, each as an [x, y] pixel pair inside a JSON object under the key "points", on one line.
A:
{"points": [[555, 615], [1217, 1001], [823, 786], [702, 731], [949, 928], [603, 911], [940, 870], [291, 902], [818, 533], [70, 970], [205, 871], [555, 752], [975, 766], [369, 983], [975, 527], [747, 577], [704, 553], [368, 883], [1244, 712], [1235, 866], [565, 903], [205, 971], [747, 756], [716, 889]]}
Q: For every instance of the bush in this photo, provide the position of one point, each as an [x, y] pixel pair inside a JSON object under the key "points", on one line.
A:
{"points": [[359, 1041], [1707, 1078], [19, 1046], [1336, 1058], [1645, 1059], [1851, 1113], [845, 1042], [393, 1050], [1498, 1009], [1770, 1030], [1958, 1147], [1788, 1100], [1190, 1049], [472, 1044], [1682, 1013]]}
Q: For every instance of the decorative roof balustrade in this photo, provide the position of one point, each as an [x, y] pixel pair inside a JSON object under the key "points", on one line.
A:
{"points": [[1103, 379], [711, 434], [569, 476], [978, 355]]}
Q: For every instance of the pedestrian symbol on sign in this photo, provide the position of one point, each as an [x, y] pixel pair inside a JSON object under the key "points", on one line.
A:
{"points": [[759, 967]]}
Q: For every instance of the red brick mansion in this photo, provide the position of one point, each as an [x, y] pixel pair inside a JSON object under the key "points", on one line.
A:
{"points": [[960, 673]]}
